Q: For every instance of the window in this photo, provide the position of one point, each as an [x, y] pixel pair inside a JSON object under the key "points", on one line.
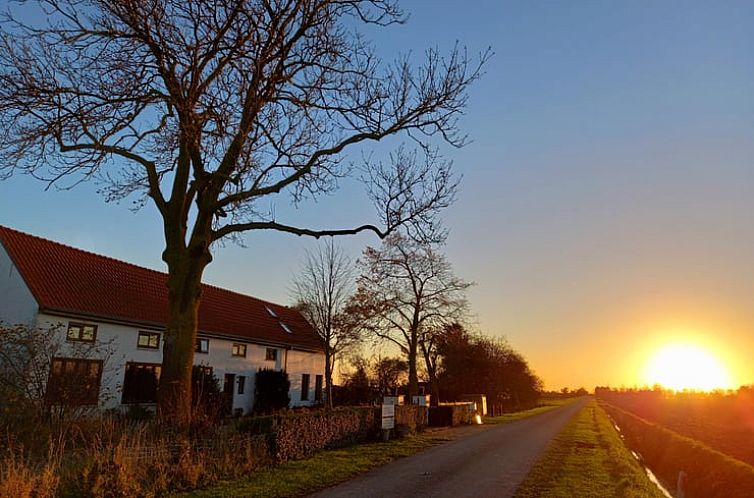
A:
{"points": [[272, 354], [318, 388], [241, 384], [74, 381], [140, 383], [239, 350], [81, 332], [270, 312], [286, 328], [149, 340], [305, 387], [202, 346]]}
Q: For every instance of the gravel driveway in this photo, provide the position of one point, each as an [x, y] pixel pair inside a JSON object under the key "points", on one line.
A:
{"points": [[488, 462]]}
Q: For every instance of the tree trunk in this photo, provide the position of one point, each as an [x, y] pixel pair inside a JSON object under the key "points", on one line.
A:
{"points": [[434, 387], [185, 270], [328, 378], [413, 378]]}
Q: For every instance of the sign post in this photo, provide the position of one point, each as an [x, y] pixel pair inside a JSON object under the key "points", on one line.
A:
{"points": [[388, 420]]}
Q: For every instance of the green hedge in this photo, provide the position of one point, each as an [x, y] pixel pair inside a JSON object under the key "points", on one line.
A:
{"points": [[710, 474], [411, 417], [298, 435]]}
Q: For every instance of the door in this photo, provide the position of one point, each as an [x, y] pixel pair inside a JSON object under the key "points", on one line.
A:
{"points": [[228, 385]]}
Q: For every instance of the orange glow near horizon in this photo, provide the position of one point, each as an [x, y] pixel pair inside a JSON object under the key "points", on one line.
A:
{"points": [[680, 366]]}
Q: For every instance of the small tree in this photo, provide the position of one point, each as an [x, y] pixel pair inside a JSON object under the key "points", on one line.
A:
{"points": [[271, 391], [322, 290], [357, 387], [406, 292], [26, 355], [207, 399], [389, 374]]}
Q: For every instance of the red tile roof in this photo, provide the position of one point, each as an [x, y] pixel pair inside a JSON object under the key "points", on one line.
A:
{"points": [[66, 280]]}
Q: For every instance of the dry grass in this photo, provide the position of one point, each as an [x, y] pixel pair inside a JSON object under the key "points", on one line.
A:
{"points": [[110, 458], [20, 478]]}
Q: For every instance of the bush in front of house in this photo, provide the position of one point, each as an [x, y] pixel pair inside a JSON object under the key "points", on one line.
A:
{"points": [[271, 391], [207, 398]]}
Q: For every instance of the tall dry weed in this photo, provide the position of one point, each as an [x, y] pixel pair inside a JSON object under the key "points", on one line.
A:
{"points": [[21, 478]]}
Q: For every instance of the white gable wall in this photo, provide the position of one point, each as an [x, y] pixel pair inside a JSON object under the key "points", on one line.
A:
{"points": [[118, 345], [299, 363], [17, 304]]}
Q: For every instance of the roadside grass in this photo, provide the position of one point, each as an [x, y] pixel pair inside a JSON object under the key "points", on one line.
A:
{"points": [[545, 406], [330, 467], [589, 460], [322, 470]]}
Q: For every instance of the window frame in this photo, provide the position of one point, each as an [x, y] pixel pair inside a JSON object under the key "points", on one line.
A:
{"points": [[318, 384], [241, 384], [197, 345], [81, 326], [57, 398], [271, 357], [149, 334], [236, 348], [156, 370], [305, 379]]}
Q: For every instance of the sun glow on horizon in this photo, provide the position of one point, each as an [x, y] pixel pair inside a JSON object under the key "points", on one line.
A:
{"points": [[687, 366]]}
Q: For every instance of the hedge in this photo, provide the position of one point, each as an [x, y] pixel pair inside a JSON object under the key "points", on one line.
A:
{"points": [[298, 435], [710, 474], [451, 414]]}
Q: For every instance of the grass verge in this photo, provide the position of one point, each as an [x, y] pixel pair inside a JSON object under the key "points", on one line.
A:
{"points": [[545, 406], [322, 470], [330, 467], [589, 460]]}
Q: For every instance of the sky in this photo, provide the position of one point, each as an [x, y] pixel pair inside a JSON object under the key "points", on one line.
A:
{"points": [[607, 203]]}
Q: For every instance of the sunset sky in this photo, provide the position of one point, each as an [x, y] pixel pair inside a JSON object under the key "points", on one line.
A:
{"points": [[607, 204]]}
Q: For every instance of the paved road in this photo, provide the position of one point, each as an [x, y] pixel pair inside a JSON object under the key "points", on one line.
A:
{"points": [[490, 462]]}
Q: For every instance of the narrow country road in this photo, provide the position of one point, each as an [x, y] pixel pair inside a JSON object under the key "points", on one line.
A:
{"points": [[489, 463]]}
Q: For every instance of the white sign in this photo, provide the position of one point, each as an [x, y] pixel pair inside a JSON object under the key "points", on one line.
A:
{"points": [[388, 416]]}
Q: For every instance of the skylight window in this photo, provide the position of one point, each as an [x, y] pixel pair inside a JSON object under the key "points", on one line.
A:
{"points": [[272, 313], [286, 328]]}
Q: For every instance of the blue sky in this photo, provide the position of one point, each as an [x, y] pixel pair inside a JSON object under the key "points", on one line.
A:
{"points": [[608, 192]]}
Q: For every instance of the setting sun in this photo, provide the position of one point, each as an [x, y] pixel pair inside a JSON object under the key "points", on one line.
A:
{"points": [[686, 366]]}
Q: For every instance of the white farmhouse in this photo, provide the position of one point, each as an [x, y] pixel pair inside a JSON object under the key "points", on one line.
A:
{"points": [[122, 307]]}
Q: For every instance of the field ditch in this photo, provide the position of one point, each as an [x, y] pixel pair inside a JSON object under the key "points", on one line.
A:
{"points": [[708, 473]]}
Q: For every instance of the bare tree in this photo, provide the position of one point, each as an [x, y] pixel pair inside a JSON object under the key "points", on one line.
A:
{"points": [[210, 109], [322, 291], [407, 292], [27, 356]]}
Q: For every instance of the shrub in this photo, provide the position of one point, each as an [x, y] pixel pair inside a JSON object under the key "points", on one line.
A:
{"points": [[413, 417], [207, 398], [271, 389]]}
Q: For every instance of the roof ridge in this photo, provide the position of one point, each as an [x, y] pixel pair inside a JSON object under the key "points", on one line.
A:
{"points": [[133, 265]]}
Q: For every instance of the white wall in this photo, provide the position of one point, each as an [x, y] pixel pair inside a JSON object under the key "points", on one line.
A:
{"points": [[17, 305], [299, 363], [119, 344]]}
